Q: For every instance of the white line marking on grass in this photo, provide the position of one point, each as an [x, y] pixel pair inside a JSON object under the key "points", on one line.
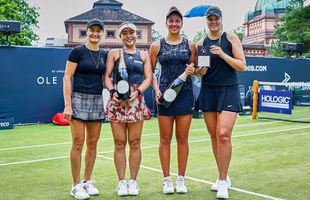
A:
{"points": [[154, 146], [32, 161], [106, 139], [203, 181]]}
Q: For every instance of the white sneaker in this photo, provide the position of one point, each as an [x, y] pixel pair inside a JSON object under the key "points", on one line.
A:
{"points": [[133, 188], [180, 185], [168, 186], [122, 188], [215, 185], [222, 190], [90, 188], [78, 192]]}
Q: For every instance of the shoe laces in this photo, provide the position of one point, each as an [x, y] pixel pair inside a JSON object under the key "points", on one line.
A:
{"points": [[168, 182], [89, 184], [222, 183], [132, 184], [78, 187], [122, 185], [181, 181]]}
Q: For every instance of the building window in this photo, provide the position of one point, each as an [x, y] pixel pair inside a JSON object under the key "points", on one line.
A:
{"points": [[110, 34], [139, 34], [82, 33]]}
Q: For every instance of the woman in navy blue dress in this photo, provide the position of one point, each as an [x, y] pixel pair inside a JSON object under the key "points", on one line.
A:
{"points": [[219, 96], [175, 54]]}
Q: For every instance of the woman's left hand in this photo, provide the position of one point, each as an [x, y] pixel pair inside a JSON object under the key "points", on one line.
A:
{"points": [[190, 69], [216, 50], [133, 95]]}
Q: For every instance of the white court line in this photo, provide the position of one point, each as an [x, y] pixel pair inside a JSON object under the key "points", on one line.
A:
{"points": [[33, 161], [203, 181], [155, 146], [105, 139]]}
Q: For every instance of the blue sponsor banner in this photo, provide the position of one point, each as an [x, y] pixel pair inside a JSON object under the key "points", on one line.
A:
{"points": [[275, 101], [6, 123]]}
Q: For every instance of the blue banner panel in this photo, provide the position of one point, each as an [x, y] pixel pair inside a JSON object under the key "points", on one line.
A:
{"points": [[275, 101], [31, 81], [6, 123]]}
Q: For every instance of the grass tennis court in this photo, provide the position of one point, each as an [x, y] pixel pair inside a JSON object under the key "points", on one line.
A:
{"points": [[270, 161]]}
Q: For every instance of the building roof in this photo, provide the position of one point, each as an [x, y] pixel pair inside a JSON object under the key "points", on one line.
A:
{"points": [[276, 4], [109, 11]]}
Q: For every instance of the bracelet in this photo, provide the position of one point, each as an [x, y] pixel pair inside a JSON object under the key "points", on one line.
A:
{"points": [[139, 91], [112, 92]]}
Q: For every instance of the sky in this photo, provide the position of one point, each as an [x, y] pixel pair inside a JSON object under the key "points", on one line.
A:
{"points": [[53, 13]]}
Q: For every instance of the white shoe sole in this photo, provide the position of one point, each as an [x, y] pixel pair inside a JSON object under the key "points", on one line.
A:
{"points": [[95, 194], [168, 192], [222, 197], [77, 197], [122, 195]]}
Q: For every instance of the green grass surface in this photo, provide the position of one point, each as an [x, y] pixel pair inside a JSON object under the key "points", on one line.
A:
{"points": [[269, 158], [299, 113]]}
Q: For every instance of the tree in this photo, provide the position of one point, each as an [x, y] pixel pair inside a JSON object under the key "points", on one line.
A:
{"points": [[295, 29], [156, 35], [20, 10], [199, 35], [239, 31]]}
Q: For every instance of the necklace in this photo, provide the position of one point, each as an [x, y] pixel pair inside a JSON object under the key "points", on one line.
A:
{"points": [[98, 62], [219, 42]]}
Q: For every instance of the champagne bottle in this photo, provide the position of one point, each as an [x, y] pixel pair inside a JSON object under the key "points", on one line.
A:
{"points": [[122, 86], [172, 91]]}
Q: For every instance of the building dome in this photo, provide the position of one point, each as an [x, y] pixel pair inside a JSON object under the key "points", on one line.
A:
{"points": [[282, 4], [249, 15], [267, 9]]}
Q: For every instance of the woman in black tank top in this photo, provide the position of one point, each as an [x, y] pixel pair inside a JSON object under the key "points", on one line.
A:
{"points": [[219, 96], [175, 55], [126, 116]]}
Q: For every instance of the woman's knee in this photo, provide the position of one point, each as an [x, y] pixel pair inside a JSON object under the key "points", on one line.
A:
{"points": [[182, 139], [224, 136], [134, 144], [77, 144], [92, 145], [165, 140], [120, 145]]}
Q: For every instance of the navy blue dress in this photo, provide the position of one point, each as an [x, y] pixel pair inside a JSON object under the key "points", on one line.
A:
{"points": [[173, 60], [220, 87]]}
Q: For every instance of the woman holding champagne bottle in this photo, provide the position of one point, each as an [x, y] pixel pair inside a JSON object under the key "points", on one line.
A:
{"points": [[126, 109], [219, 96], [176, 55]]}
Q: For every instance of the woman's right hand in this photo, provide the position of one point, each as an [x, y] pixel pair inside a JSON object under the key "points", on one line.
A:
{"points": [[201, 71], [115, 98], [68, 112], [157, 95]]}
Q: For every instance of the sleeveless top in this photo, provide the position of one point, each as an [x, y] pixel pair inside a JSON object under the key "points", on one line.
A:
{"points": [[135, 67], [173, 60], [220, 73]]}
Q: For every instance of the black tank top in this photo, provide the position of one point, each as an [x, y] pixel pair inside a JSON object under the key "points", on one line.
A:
{"points": [[135, 67], [173, 60], [220, 73]]}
